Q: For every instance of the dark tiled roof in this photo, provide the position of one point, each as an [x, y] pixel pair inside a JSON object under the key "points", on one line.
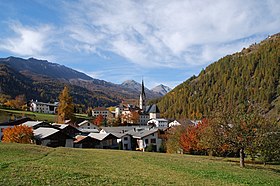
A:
{"points": [[152, 109]]}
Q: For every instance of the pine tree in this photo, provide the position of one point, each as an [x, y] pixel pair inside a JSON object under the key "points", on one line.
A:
{"points": [[65, 108]]}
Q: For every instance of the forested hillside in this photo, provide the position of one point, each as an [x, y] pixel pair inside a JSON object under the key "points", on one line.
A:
{"points": [[249, 77], [43, 80], [13, 83]]}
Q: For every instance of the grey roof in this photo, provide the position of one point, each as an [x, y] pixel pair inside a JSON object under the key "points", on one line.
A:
{"points": [[152, 109], [32, 123], [142, 133], [44, 132], [84, 122], [119, 135], [89, 130], [159, 119], [99, 136], [49, 104], [61, 126], [124, 129]]}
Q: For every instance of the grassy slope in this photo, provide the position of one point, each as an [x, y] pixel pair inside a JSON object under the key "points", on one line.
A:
{"points": [[6, 113], [36, 165]]}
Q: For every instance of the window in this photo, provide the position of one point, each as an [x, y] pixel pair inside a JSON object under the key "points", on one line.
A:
{"points": [[153, 140], [125, 138], [146, 141], [88, 124]]}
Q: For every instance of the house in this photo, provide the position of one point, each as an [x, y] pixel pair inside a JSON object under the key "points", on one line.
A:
{"points": [[158, 122], [174, 123], [101, 111], [11, 124], [48, 108], [86, 142], [37, 124], [87, 125], [106, 140], [67, 129], [124, 140], [52, 137], [144, 138]]}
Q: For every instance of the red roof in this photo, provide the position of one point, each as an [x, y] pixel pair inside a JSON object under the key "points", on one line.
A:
{"points": [[100, 109]]}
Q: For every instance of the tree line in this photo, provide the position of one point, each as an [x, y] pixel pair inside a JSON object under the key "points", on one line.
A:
{"points": [[236, 133]]}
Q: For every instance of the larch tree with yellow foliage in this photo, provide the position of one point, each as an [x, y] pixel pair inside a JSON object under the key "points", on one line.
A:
{"points": [[65, 108]]}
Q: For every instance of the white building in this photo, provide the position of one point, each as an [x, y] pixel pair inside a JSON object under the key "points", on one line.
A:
{"points": [[158, 122], [143, 119], [87, 126], [101, 111], [174, 123], [48, 108]]}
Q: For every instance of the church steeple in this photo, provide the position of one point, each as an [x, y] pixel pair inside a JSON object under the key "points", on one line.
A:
{"points": [[142, 97]]}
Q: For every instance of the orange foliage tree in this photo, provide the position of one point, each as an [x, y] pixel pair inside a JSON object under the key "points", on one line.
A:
{"points": [[18, 134], [190, 140], [99, 120]]}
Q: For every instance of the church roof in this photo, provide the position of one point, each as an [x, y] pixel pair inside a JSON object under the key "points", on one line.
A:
{"points": [[152, 109]]}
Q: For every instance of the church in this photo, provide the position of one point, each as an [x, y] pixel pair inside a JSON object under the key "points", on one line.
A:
{"points": [[128, 108], [147, 112]]}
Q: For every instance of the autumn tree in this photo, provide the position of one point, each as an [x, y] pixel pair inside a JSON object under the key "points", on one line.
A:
{"points": [[267, 145], [18, 134], [4, 98], [131, 117], [173, 139], [65, 108], [18, 103], [99, 120], [239, 131], [191, 137]]}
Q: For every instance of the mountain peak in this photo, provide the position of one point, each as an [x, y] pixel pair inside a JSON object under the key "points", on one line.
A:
{"points": [[161, 89]]}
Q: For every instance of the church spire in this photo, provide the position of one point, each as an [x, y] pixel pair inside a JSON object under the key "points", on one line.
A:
{"points": [[143, 90], [142, 97]]}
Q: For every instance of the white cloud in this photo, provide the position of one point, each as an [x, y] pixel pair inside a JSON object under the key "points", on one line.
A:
{"points": [[28, 41], [171, 33]]}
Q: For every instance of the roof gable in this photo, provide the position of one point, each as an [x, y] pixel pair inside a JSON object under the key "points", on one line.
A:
{"points": [[152, 109]]}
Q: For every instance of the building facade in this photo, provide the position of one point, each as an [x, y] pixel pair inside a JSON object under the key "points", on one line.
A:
{"points": [[47, 108]]}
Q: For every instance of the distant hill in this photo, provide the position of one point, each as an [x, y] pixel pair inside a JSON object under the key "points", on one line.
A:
{"points": [[43, 80], [161, 89], [251, 76]]}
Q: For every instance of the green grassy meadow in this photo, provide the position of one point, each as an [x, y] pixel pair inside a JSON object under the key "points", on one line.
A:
{"points": [[5, 114], [36, 165]]}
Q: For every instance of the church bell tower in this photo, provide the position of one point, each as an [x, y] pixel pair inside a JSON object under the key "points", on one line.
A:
{"points": [[142, 99]]}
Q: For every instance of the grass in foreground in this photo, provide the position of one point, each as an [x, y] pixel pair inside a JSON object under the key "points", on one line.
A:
{"points": [[36, 165]]}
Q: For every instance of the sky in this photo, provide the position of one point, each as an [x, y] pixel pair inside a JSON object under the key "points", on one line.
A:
{"points": [[161, 41]]}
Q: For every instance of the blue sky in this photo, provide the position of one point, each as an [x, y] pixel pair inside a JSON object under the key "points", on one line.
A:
{"points": [[115, 40]]}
